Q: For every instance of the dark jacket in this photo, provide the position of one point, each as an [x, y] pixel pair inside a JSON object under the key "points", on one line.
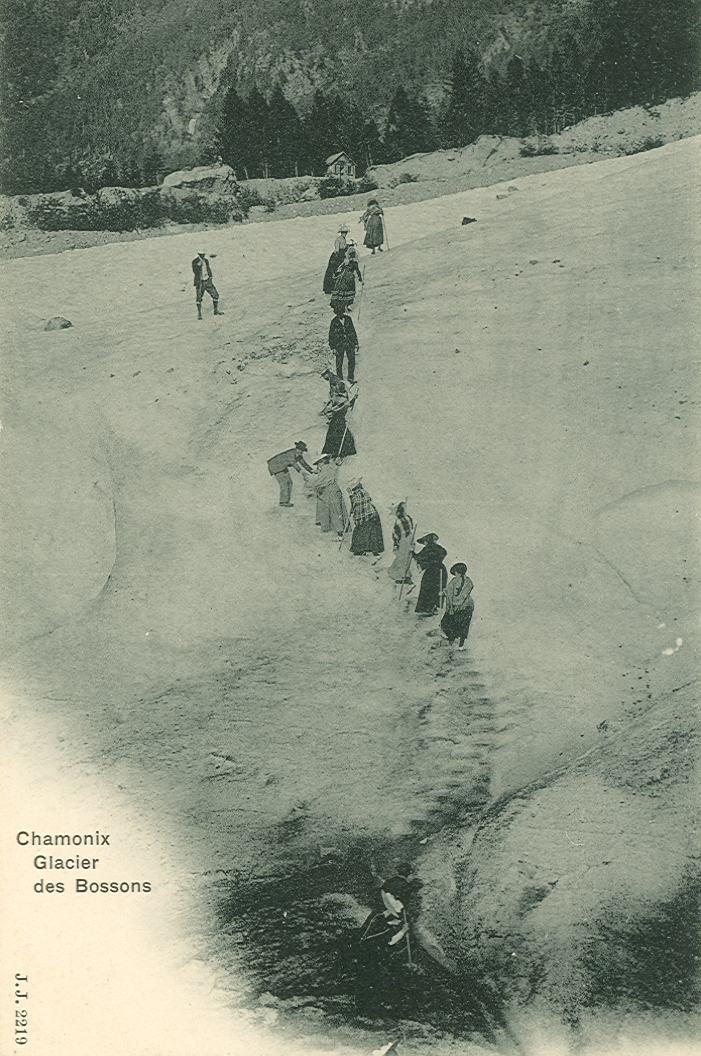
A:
{"points": [[285, 459], [342, 333], [198, 266]]}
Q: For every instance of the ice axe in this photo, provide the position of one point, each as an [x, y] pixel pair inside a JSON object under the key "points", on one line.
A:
{"points": [[408, 564], [362, 287]]}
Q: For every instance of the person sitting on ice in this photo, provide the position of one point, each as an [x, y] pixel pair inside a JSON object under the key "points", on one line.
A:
{"points": [[203, 283], [367, 530], [279, 467], [336, 384]]}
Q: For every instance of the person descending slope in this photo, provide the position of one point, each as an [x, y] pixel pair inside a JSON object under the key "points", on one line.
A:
{"points": [[203, 283], [367, 531], [279, 467], [402, 538], [344, 286], [331, 512], [341, 243], [339, 442], [459, 606], [374, 227], [434, 578], [343, 342]]}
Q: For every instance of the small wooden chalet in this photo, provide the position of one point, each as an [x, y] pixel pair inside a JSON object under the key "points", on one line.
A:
{"points": [[341, 165]]}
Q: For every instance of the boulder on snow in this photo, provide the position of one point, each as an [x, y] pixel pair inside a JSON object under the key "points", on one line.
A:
{"points": [[58, 322], [212, 178]]}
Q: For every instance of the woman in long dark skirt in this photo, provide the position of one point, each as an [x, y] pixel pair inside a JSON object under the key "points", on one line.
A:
{"points": [[339, 442], [344, 286], [374, 228], [435, 577], [335, 261], [459, 606], [367, 531]]}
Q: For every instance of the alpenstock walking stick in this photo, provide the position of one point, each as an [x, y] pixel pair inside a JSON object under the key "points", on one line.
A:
{"points": [[362, 287], [408, 564], [384, 224]]}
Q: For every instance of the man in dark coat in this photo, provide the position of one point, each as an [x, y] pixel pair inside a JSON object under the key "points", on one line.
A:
{"points": [[343, 341], [279, 467], [203, 283]]}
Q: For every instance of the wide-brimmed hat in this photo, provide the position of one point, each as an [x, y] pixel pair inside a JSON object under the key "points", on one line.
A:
{"points": [[459, 569], [430, 538], [301, 445], [343, 229]]}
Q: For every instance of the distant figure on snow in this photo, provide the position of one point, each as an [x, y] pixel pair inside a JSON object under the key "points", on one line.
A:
{"points": [[434, 578], [331, 512], [343, 341], [203, 283], [367, 531], [374, 227], [459, 606], [279, 466], [339, 442], [344, 285], [400, 569]]}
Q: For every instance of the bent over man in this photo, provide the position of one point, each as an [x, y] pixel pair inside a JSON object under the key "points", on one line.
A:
{"points": [[203, 282], [279, 467]]}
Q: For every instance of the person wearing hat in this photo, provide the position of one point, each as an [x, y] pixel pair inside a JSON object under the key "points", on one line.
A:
{"points": [[279, 466], [374, 227], [341, 243], [335, 260], [331, 512], [367, 530], [339, 442], [402, 534], [435, 576], [343, 341], [344, 281], [203, 283], [459, 606]]}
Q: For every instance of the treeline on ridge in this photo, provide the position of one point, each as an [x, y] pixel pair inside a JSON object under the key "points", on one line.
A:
{"points": [[100, 92]]}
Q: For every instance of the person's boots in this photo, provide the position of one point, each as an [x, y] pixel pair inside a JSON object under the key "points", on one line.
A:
{"points": [[216, 308], [199, 311]]}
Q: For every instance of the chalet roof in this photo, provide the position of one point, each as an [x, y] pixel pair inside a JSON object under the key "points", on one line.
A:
{"points": [[335, 157]]}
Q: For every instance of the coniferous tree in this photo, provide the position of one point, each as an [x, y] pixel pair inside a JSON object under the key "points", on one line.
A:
{"points": [[408, 129], [286, 149], [256, 146], [464, 119], [515, 99], [231, 128]]}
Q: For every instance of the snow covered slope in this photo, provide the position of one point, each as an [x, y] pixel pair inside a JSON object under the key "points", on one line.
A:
{"points": [[529, 381]]}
